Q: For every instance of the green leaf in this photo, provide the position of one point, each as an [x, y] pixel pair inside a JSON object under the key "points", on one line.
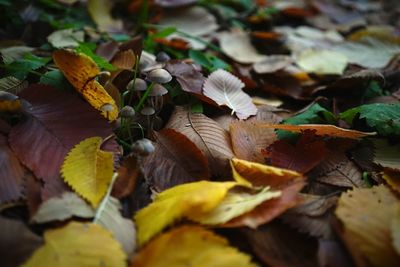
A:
{"points": [[56, 79], [20, 68], [384, 118], [373, 90], [313, 115], [209, 62], [88, 49]]}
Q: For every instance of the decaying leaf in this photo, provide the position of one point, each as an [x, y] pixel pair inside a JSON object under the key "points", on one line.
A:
{"points": [[367, 215], [123, 230], [128, 174], [178, 202], [100, 11], [210, 138], [95, 246], [64, 207], [236, 203], [226, 89], [11, 172], [88, 170], [124, 60], [12, 85], [321, 129], [17, 242], [395, 230], [322, 62], [392, 178], [249, 138], [190, 246], [66, 38], [386, 155], [190, 79], [81, 71], [176, 160], [9, 102], [305, 155], [272, 63]]}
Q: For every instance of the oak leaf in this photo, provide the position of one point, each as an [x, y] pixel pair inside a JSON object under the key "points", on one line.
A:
{"points": [[190, 246], [81, 71], [95, 246], [226, 89], [88, 170]]}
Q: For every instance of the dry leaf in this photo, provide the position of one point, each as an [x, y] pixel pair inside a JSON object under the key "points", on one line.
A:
{"points": [[386, 155], [17, 242], [189, 78], [272, 63], [95, 246], [66, 38], [109, 216], [81, 71], [124, 60], [100, 11], [367, 215], [176, 160], [237, 45], [226, 89], [61, 208], [128, 174], [304, 156], [322, 129], [249, 138], [392, 178], [190, 246], [178, 202], [322, 62], [210, 138], [11, 172], [88, 170], [395, 230]]}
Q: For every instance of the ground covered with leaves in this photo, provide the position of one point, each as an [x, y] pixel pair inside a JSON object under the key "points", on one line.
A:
{"points": [[200, 133]]}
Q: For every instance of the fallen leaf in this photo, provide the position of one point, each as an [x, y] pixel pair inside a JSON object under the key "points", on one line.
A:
{"points": [[312, 216], [226, 89], [176, 160], [13, 53], [392, 178], [302, 157], [235, 203], [174, 3], [367, 215], [272, 63], [61, 208], [17, 242], [190, 79], [211, 139], [63, 120], [332, 253], [321, 129], [100, 11], [12, 85], [62, 247], [236, 44], [322, 62], [179, 202], [66, 38], [386, 155], [124, 60], [88, 169], [128, 174], [190, 246], [12, 173], [9, 102], [395, 230], [109, 216], [249, 138], [81, 71]]}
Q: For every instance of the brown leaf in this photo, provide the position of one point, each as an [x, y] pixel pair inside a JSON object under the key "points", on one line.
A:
{"points": [[305, 155], [17, 242], [128, 174], [190, 78], [226, 90], [11, 172], [312, 216], [331, 253], [176, 160], [278, 245], [124, 60], [4, 127], [57, 121], [210, 138], [338, 170], [249, 138], [33, 195]]}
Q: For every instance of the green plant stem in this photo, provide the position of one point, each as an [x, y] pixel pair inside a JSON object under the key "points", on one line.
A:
{"points": [[144, 97], [134, 77]]}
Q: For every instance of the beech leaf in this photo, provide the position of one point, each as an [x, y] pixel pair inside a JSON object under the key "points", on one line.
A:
{"points": [[88, 170], [226, 89]]}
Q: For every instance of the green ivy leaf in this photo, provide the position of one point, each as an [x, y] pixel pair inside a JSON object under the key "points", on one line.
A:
{"points": [[384, 118]]}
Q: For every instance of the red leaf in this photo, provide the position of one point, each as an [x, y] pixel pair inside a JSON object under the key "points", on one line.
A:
{"points": [[58, 120], [305, 155]]}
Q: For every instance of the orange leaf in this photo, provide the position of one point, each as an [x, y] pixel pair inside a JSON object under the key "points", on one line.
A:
{"points": [[81, 71], [321, 129]]}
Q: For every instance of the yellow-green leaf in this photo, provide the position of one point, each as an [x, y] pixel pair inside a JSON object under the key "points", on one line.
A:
{"points": [[88, 170], [78, 244], [190, 246], [236, 203], [178, 202]]}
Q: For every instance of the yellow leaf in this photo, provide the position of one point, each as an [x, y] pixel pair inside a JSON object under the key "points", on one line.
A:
{"points": [[235, 204], [81, 71], [190, 246], [78, 244], [88, 170], [100, 11], [367, 215], [395, 228], [178, 202], [322, 62]]}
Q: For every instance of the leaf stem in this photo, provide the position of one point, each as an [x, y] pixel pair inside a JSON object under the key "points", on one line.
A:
{"points": [[103, 203]]}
